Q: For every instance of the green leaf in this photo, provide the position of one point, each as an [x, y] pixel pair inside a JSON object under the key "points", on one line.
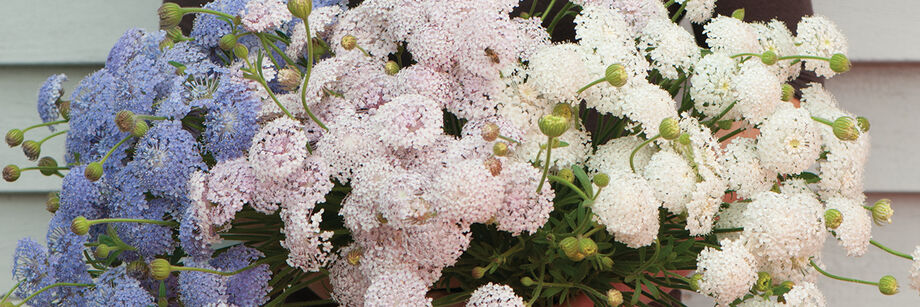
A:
{"points": [[808, 177], [586, 185], [550, 291], [652, 288]]}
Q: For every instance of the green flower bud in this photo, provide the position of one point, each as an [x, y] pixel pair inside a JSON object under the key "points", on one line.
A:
{"points": [[137, 268], [64, 109], [684, 139], [606, 263], [845, 128], [166, 43], [768, 57], [500, 149], [227, 42], [695, 281], [564, 110], [614, 297], [479, 272], [240, 51], [125, 120], [170, 15], [160, 268], [102, 251], [882, 212], [569, 246], [787, 284], [601, 179], [175, 34], [888, 285], [669, 128], [14, 137], [31, 149], [80, 225], [489, 132], [833, 218], [140, 128], [300, 8], [391, 68], [788, 92], [738, 14], [289, 79], [525, 15], [840, 63], [567, 175], [527, 281], [349, 42], [493, 165], [616, 75], [54, 202], [93, 171], [764, 281], [587, 247], [48, 165], [11, 173], [553, 125], [863, 123]]}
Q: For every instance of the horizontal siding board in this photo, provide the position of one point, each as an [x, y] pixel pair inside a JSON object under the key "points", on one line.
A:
{"points": [[886, 30]]}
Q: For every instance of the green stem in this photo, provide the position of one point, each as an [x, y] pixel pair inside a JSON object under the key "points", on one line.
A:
{"points": [[508, 139], [548, 8], [721, 114], [43, 168], [593, 230], [602, 79], [283, 55], [559, 15], [44, 124], [8, 293], [52, 135], [667, 4], [801, 57], [727, 230], [306, 78], [362, 50], [269, 90], [102, 161], [840, 277], [186, 10], [679, 11], [823, 121], [570, 185], [549, 149], [731, 134], [632, 155], [533, 7], [231, 273], [143, 221], [60, 284], [745, 54], [150, 117], [891, 251]]}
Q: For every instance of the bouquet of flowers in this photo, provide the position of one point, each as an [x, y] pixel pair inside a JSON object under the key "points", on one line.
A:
{"points": [[441, 152]]}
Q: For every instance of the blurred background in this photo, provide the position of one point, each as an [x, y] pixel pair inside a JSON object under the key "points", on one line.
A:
{"points": [[44, 37]]}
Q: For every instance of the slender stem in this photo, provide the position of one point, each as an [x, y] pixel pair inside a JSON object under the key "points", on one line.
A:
{"points": [[549, 149], [362, 50], [8, 293], [186, 10], [102, 161], [667, 4], [306, 78], [44, 124], [231, 273], [599, 189], [602, 79], [891, 251], [548, 8], [508, 139], [570, 185], [593, 230], [44, 168], [721, 114], [150, 117], [264, 42], [52, 135], [632, 155], [49, 287], [745, 54], [283, 55], [533, 7], [559, 15], [143, 221], [727, 230], [731, 134], [823, 121], [271, 93], [800, 57], [840, 277], [679, 11]]}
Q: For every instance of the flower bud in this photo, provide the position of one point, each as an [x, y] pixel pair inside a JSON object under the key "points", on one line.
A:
{"points": [[845, 128], [489, 132], [175, 34], [64, 109], [788, 92], [11, 173], [140, 128], [391, 68], [527, 281], [160, 269], [684, 139], [525, 15], [695, 281], [840, 63], [833, 218], [863, 123], [787, 284], [738, 14], [888, 285], [606, 263], [587, 247], [137, 269], [564, 110], [48, 166], [669, 128], [166, 43], [125, 120], [882, 212], [479, 272], [493, 165], [227, 42], [553, 125], [54, 202], [240, 51], [500, 149], [170, 15], [764, 281], [354, 256], [102, 251], [601, 179], [93, 171], [569, 246], [31, 149], [566, 175], [80, 225], [14, 137], [300, 8], [289, 79], [616, 75], [768, 57], [614, 297], [349, 42]]}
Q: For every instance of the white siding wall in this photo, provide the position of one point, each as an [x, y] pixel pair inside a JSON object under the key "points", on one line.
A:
{"points": [[42, 37]]}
